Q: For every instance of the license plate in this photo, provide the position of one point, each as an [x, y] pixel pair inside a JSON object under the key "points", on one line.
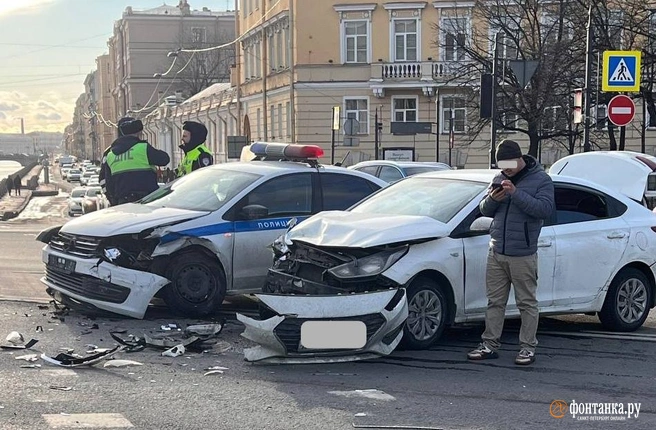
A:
{"points": [[61, 263], [333, 334]]}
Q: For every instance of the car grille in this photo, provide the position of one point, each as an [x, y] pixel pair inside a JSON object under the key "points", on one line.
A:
{"points": [[80, 246], [289, 331], [87, 286]]}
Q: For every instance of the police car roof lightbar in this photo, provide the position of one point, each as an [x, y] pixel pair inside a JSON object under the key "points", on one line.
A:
{"points": [[286, 150]]}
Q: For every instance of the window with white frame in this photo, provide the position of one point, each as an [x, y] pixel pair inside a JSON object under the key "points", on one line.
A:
{"points": [[406, 40], [271, 60], [507, 26], [356, 41], [256, 52], [554, 118], [453, 107], [455, 31], [272, 119], [198, 35], [509, 120], [279, 49], [550, 23], [357, 108], [404, 109]]}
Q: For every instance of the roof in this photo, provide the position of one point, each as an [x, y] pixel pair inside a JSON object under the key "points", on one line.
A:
{"points": [[271, 167], [166, 9], [401, 163], [210, 91]]}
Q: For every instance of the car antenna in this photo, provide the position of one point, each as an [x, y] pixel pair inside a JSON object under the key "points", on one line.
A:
{"points": [[341, 163]]}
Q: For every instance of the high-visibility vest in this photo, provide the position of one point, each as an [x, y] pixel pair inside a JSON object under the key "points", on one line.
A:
{"points": [[133, 160], [187, 163]]}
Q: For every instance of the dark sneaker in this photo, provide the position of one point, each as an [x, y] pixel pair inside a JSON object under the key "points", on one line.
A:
{"points": [[525, 357], [483, 352]]}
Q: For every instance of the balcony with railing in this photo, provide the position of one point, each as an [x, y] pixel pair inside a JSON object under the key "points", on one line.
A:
{"points": [[431, 71]]}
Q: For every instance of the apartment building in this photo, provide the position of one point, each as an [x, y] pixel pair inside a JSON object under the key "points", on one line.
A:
{"points": [[385, 60], [104, 107], [139, 54]]}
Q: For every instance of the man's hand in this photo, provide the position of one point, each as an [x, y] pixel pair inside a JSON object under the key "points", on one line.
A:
{"points": [[508, 187], [498, 194]]}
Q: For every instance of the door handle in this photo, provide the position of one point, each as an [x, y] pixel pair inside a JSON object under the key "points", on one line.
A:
{"points": [[616, 235], [544, 243]]}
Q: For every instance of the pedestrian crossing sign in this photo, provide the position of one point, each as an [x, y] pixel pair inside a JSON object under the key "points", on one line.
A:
{"points": [[621, 71]]}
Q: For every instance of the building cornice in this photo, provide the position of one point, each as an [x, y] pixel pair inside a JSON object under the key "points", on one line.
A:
{"points": [[355, 7], [450, 4], [404, 5]]}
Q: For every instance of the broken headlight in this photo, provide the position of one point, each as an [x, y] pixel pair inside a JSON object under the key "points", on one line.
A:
{"points": [[370, 265], [112, 254]]}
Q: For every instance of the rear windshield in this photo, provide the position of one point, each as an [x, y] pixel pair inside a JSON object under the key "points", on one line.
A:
{"points": [[78, 193]]}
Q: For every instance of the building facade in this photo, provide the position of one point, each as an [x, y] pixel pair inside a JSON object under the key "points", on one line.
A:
{"points": [[139, 55], [104, 107], [376, 61]]}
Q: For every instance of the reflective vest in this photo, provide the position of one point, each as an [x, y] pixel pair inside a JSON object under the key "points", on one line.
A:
{"points": [[187, 163], [133, 160]]}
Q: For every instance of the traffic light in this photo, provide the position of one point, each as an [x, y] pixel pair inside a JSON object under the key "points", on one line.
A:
{"points": [[578, 106]]}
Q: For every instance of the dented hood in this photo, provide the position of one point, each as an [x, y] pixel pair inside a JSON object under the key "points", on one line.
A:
{"points": [[359, 230], [129, 218]]}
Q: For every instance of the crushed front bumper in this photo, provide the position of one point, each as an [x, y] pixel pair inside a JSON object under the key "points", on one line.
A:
{"points": [[381, 314], [101, 284]]}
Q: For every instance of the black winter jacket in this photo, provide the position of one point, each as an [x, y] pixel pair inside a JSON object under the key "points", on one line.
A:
{"points": [[517, 220]]}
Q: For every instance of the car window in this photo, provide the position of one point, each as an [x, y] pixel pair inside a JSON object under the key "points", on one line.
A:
{"points": [[340, 192], [576, 205], [283, 195], [368, 169], [78, 193], [91, 192], [206, 189], [390, 174], [440, 199]]}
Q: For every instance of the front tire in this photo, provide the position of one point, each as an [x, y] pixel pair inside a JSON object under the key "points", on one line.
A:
{"points": [[428, 310], [627, 302], [197, 286]]}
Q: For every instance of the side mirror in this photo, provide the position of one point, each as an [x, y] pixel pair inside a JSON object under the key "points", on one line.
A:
{"points": [[252, 212], [481, 224]]}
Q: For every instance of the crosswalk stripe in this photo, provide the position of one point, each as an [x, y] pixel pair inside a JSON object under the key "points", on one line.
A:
{"points": [[78, 421]]}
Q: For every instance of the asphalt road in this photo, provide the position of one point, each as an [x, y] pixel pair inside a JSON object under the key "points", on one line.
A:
{"points": [[430, 389]]}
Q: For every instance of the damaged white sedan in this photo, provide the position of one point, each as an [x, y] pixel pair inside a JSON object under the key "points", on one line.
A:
{"points": [[197, 239], [426, 235]]}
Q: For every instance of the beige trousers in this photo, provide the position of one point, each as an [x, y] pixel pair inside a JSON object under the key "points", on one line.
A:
{"points": [[522, 272]]}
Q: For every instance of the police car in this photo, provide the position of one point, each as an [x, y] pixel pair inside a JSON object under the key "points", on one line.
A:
{"points": [[199, 238]]}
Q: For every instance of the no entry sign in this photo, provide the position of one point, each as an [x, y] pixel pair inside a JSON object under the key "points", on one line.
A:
{"points": [[621, 110]]}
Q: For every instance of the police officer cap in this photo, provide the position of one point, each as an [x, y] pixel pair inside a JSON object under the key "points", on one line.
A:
{"points": [[129, 125]]}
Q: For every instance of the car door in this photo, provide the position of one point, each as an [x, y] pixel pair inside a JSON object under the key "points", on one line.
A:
{"points": [[284, 197], [476, 248], [591, 239]]}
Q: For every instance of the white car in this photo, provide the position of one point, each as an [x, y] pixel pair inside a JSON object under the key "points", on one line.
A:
{"points": [[85, 177], [392, 171], [198, 238], [94, 181], [75, 201], [426, 234], [74, 175]]}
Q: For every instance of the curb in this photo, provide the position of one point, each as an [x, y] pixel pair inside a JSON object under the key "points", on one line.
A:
{"points": [[13, 214], [37, 193]]}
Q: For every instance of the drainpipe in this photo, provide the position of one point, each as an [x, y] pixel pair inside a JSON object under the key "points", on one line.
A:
{"points": [[292, 72], [214, 128]]}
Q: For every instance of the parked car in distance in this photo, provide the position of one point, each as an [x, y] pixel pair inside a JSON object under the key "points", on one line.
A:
{"points": [[94, 181], [84, 178], [392, 171], [75, 201], [196, 239], [74, 175]]}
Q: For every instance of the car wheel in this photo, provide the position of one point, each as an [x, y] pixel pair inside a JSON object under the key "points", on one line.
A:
{"points": [[428, 312], [197, 285], [70, 213], [627, 302]]}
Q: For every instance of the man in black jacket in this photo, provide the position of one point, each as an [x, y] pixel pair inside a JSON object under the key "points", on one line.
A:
{"points": [[197, 155], [520, 198], [128, 171]]}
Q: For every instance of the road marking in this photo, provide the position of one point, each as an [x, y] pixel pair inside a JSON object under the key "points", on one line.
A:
{"points": [[600, 336], [79, 421]]}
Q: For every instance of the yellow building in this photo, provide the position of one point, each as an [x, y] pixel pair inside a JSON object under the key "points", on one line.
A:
{"points": [[299, 59]]}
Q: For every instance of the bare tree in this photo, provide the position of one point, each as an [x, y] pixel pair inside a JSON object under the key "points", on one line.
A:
{"points": [[204, 68], [528, 30]]}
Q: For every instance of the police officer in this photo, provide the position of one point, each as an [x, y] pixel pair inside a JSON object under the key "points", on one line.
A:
{"points": [[128, 170], [197, 155]]}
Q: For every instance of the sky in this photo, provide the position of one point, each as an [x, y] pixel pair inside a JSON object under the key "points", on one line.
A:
{"points": [[49, 46]]}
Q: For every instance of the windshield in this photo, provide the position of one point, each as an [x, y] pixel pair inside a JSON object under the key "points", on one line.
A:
{"points": [[78, 193], [92, 192], [203, 190], [440, 199]]}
